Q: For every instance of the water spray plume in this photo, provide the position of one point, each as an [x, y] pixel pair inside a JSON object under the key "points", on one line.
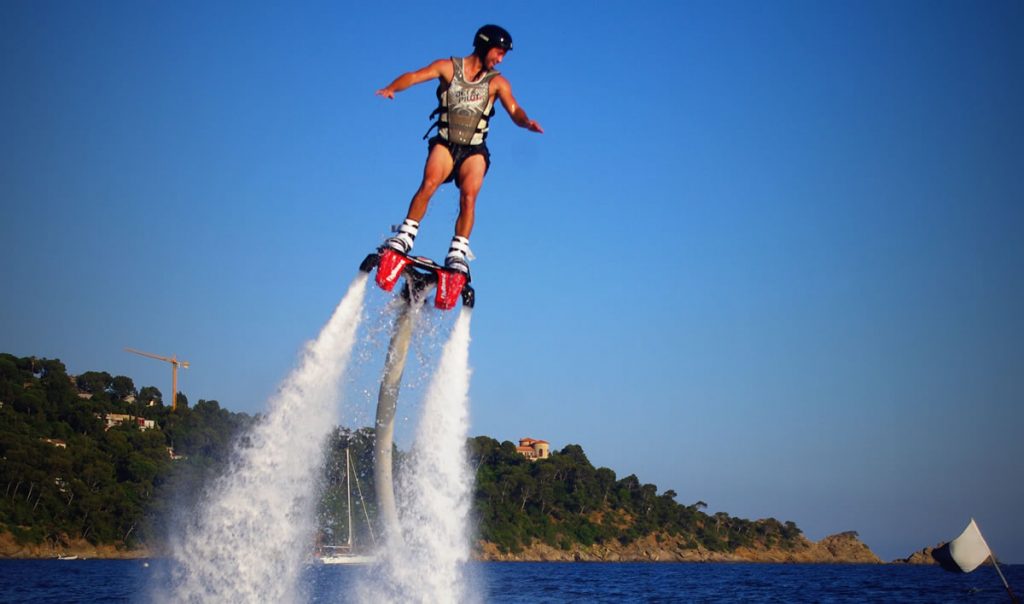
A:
{"points": [[254, 528], [425, 561]]}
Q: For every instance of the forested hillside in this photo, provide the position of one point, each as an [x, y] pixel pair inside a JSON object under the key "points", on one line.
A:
{"points": [[68, 475], [564, 500], [64, 474]]}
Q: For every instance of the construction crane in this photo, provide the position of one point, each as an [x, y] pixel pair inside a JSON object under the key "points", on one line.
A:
{"points": [[173, 360]]}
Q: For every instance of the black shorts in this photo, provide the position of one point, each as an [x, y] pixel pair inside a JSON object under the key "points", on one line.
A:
{"points": [[460, 153]]}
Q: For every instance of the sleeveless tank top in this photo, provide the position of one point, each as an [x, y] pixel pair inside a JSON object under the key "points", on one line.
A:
{"points": [[464, 107]]}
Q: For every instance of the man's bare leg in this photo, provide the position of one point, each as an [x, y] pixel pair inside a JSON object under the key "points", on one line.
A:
{"points": [[439, 165], [437, 168], [471, 179]]}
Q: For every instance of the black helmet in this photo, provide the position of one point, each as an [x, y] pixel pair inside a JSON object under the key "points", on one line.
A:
{"points": [[491, 36]]}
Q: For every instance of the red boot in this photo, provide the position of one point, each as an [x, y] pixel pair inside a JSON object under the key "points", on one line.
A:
{"points": [[390, 268], [449, 288]]}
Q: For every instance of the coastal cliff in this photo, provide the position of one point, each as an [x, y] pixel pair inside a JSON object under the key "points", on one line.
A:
{"points": [[10, 548], [921, 556], [842, 548]]}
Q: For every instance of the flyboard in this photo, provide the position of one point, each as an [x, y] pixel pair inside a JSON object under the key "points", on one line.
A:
{"points": [[421, 275]]}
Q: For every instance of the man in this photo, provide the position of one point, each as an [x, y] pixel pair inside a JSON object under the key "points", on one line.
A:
{"points": [[466, 92]]}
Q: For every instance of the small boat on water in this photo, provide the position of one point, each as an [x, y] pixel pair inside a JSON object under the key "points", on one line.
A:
{"points": [[345, 554], [64, 557], [341, 554]]}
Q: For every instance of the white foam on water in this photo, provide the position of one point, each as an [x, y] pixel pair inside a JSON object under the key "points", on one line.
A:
{"points": [[254, 529], [427, 561]]}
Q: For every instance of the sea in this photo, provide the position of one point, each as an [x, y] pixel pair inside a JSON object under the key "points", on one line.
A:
{"points": [[139, 580]]}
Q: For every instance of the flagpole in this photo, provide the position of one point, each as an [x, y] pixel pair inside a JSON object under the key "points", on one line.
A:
{"points": [[1013, 597], [995, 563]]}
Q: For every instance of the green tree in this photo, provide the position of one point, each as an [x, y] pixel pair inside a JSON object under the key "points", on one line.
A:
{"points": [[95, 382], [122, 387], [150, 394]]}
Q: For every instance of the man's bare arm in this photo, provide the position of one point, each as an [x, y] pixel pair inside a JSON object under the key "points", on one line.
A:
{"points": [[504, 91], [441, 68]]}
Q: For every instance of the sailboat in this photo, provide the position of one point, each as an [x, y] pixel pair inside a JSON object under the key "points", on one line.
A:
{"points": [[344, 554]]}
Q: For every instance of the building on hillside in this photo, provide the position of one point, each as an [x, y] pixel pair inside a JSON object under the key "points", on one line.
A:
{"points": [[533, 449], [85, 396], [116, 419], [60, 444]]}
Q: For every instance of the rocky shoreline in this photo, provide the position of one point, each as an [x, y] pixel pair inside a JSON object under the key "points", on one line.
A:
{"points": [[921, 556], [843, 548], [80, 548]]}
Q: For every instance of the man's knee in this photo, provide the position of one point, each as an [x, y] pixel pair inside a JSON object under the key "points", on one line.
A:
{"points": [[430, 184], [469, 190]]}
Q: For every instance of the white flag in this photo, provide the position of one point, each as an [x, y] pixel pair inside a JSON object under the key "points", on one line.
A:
{"points": [[969, 550]]}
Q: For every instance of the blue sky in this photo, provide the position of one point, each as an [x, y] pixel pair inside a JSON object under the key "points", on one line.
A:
{"points": [[767, 255]]}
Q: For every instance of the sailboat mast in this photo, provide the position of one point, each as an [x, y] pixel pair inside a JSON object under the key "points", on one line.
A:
{"points": [[348, 490]]}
